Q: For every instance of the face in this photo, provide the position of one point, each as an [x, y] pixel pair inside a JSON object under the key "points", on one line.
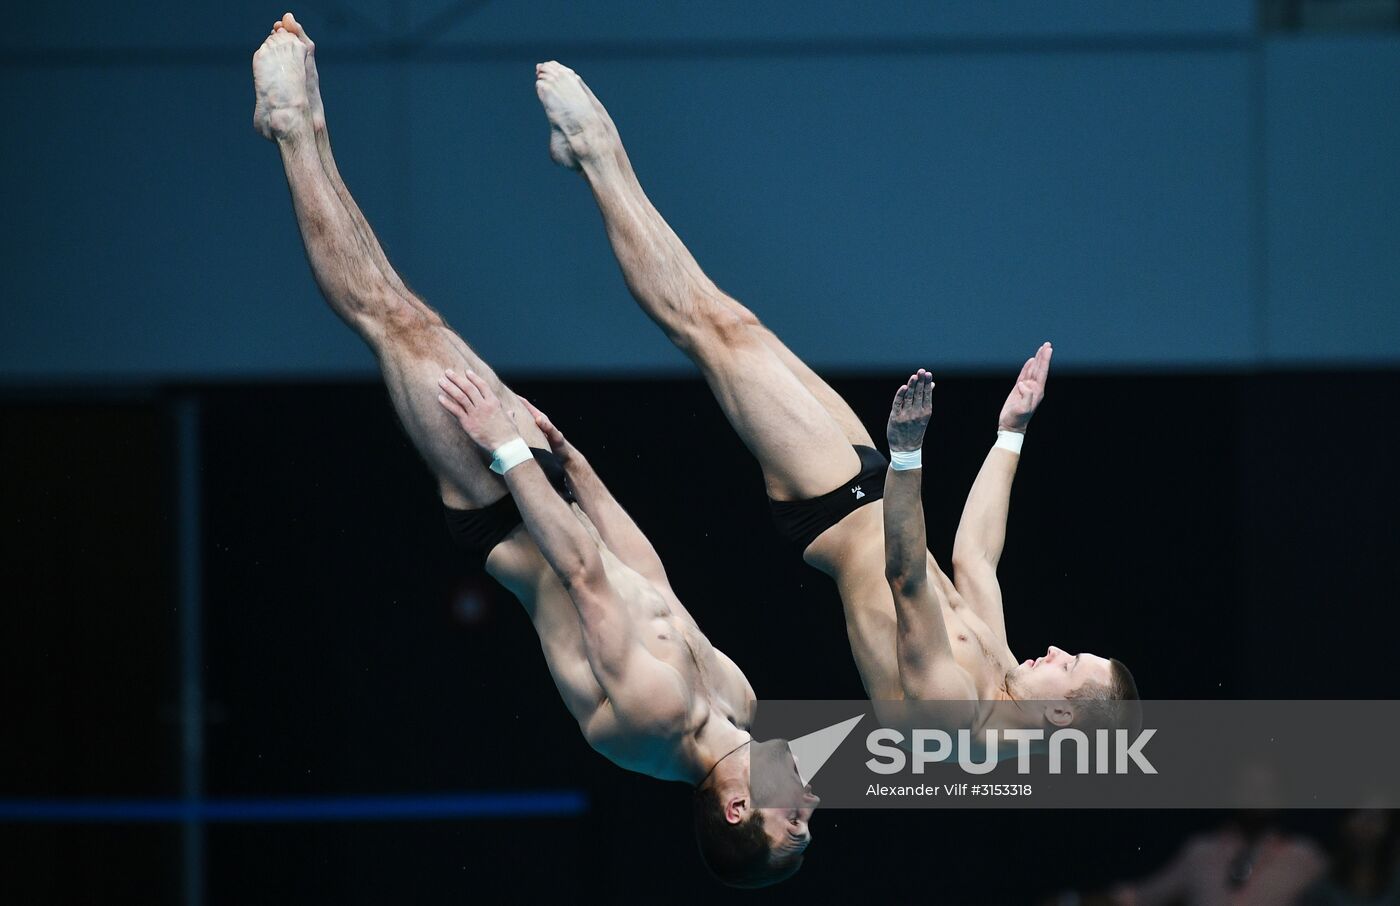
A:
{"points": [[775, 779], [1057, 673]]}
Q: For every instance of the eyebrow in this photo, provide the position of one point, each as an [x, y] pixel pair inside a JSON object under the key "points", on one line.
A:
{"points": [[1076, 661]]}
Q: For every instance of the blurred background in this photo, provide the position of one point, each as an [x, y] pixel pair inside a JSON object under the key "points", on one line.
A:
{"points": [[242, 662]]}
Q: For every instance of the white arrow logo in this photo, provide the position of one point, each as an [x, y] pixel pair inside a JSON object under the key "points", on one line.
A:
{"points": [[810, 752]]}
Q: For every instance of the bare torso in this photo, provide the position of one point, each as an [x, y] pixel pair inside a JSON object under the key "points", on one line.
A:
{"points": [[716, 690], [852, 552]]}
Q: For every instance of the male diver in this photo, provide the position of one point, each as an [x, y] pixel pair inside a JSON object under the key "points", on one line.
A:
{"points": [[647, 688], [915, 633]]}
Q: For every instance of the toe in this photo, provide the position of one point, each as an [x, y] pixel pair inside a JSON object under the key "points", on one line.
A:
{"points": [[298, 29]]}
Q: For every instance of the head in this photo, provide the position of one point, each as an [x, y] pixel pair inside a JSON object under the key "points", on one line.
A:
{"points": [[745, 845], [1080, 690]]}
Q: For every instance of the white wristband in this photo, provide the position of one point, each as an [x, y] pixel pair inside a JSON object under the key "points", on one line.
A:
{"points": [[509, 455], [1011, 440], [903, 461]]}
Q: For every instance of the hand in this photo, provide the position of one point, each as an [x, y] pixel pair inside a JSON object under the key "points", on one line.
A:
{"points": [[1027, 394], [560, 445], [913, 404], [477, 409]]}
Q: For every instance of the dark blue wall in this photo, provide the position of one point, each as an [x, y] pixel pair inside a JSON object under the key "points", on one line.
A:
{"points": [[1150, 185]]}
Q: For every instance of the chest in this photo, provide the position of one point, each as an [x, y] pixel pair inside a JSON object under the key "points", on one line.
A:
{"points": [[669, 633], [977, 649]]}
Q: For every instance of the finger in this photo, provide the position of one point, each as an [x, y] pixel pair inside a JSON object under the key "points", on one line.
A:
{"points": [[543, 421], [899, 396], [457, 411], [468, 389], [482, 386], [540, 418], [1033, 366], [452, 387]]}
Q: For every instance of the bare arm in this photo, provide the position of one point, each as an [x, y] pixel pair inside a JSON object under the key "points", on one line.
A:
{"points": [[927, 667], [619, 532], [981, 534], [646, 694], [565, 543], [982, 529]]}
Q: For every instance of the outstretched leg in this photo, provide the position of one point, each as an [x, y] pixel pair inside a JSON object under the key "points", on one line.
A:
{"points": [[411, 341], [834, 404], [803, 449]]}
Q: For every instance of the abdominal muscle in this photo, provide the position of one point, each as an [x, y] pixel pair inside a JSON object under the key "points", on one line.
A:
{"points": [[715, 686]]}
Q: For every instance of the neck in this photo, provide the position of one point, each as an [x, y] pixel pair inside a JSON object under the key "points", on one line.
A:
{"points": [[716, 744], [1006, 712]]}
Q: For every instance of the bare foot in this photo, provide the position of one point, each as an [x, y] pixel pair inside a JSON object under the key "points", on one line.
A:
{"points": [[279, 85], [313, 81], [579, 127]]}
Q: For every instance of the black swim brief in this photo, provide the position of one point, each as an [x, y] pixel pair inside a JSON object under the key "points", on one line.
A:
{"points": [[477, 531], [801, 521]]}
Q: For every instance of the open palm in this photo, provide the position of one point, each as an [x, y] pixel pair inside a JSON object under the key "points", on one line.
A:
{"points": [[1026, 396], [909, 413]]}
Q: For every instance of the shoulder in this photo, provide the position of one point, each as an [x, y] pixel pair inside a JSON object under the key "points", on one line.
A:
{"points": [[739, 700]]}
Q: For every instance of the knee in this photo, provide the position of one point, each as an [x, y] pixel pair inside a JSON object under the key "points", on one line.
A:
{"points": [[404, 324], [749, 318], [716, 326]]}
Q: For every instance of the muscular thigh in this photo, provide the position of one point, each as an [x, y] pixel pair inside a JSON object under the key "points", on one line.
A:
{"points": [[803, 451], [834, 404], [414, 349]]}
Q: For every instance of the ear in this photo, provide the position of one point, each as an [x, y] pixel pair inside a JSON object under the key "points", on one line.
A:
{"points": [[736, 809], [1059, 714]]}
